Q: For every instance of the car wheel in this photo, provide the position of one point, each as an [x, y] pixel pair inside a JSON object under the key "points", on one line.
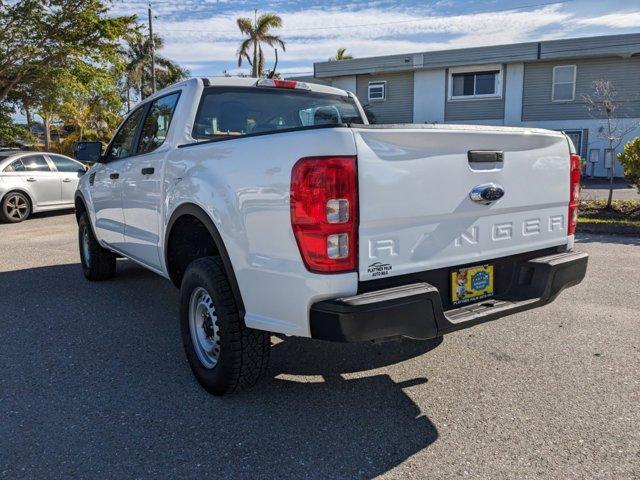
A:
{"points": [[97, 263], [15, 207], [224, 355]]}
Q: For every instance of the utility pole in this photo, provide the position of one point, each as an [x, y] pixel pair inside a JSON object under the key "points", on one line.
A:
{"points": [[153, 53]]}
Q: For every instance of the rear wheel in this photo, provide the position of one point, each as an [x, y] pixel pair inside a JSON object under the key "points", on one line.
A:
{"points": [[224, 355], [97, 263], [15, 207]]}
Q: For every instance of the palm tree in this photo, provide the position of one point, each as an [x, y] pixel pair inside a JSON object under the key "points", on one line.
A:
{"points": [[341, 55], [138, 66], [258, 33]]}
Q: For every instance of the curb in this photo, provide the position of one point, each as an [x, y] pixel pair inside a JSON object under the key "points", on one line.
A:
{"points": [[608, 228]]}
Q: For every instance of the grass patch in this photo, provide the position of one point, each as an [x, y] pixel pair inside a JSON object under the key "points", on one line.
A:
{"points": [[623, 210], [623, 218], [608, 221]]}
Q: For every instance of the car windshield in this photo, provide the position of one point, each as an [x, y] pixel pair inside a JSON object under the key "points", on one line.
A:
{"points": [[231, 112]]}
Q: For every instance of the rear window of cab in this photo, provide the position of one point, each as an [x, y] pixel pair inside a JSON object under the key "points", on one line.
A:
{"points": [[227, 112]]}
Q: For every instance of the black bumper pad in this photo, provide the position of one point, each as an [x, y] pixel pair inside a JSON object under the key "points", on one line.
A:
{"points": [[416, 310]]}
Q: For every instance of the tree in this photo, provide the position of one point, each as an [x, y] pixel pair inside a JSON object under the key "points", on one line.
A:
{"points": [[138, 66], [630, 160], [37, 35], [9, 131], [49, 93], [258, 33], [341, 54], [603, 103], [93, 105]]}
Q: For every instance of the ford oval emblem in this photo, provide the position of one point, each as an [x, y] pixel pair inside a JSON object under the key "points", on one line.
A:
{"points": [[487, 193]]}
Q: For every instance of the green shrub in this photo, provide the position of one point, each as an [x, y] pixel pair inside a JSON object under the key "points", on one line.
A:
{"points": [[630, 160]]}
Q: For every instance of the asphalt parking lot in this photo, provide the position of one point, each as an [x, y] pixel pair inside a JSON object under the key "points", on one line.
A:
{"points": [[598, 189], [94, 384]]}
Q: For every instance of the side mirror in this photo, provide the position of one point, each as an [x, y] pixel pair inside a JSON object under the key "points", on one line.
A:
{"points": [[89, 152]]}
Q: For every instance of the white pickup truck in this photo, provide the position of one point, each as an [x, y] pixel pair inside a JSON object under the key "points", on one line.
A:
{"points": [[275, 207]]}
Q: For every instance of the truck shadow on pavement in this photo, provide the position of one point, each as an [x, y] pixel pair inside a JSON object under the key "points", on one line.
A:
{"points": [[94, 383]]}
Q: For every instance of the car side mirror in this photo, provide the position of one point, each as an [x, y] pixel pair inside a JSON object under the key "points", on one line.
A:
{"points": [[90, 152]]}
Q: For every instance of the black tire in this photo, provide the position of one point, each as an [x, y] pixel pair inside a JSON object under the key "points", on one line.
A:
{"points": [[242, 353], [15, 207], [97, 263]]}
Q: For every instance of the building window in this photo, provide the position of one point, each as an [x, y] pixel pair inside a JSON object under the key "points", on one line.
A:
{"points": [[564, 83], [576, 138], [475, 82], [377, 91]]}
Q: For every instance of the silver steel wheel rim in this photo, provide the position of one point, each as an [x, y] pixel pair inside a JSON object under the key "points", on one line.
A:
{"points": [[16, 207], [203, 325], [86, 253]]}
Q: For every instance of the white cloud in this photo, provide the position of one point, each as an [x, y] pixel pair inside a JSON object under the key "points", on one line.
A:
{"points": [[370, 23], [614, 20], [315, 34]]}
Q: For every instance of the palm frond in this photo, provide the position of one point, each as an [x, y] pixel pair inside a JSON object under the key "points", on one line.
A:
{"points": [[243, 51], [267, 21], [273, 41], [245, 25]]}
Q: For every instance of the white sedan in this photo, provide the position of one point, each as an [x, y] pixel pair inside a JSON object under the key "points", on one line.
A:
{"points": [[32, 182]]}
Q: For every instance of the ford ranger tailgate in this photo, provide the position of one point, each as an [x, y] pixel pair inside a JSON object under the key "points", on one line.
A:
{"points": [[433, 196]]}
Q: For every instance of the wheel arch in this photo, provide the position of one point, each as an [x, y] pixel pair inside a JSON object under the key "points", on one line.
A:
{"points": [[193, 210], [80, 205], [23, 192]]}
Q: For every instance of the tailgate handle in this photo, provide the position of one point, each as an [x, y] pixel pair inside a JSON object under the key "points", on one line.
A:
{"points": [[485, 156]]}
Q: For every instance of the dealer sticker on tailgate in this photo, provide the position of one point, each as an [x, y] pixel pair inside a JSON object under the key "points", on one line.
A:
{"points": [[473, 283]]}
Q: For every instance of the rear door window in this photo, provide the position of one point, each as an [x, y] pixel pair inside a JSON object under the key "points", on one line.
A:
{"points": [[35, 163], [227, 112], [64, 164]]}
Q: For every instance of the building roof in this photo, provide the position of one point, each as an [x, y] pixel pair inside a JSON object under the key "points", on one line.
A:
{"points": [[610, 45]]}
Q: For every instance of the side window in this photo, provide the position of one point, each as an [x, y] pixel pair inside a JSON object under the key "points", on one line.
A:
{"points": [[64, 164], [475, 84], [16, 166], [35, 163], [122, 144], [156, 124], [564, 83], [377, 91]]}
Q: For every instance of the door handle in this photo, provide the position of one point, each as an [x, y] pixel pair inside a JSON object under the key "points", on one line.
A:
{"points": [[66, 180], [114, 176], [148, 171], [31, 179]]}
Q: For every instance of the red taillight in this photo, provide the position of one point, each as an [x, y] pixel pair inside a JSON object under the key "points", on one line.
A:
{"points": [[574, 192], [324, 212]]}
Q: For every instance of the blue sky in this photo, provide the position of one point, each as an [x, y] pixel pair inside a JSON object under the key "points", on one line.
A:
{"points": [[202, 35]]}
